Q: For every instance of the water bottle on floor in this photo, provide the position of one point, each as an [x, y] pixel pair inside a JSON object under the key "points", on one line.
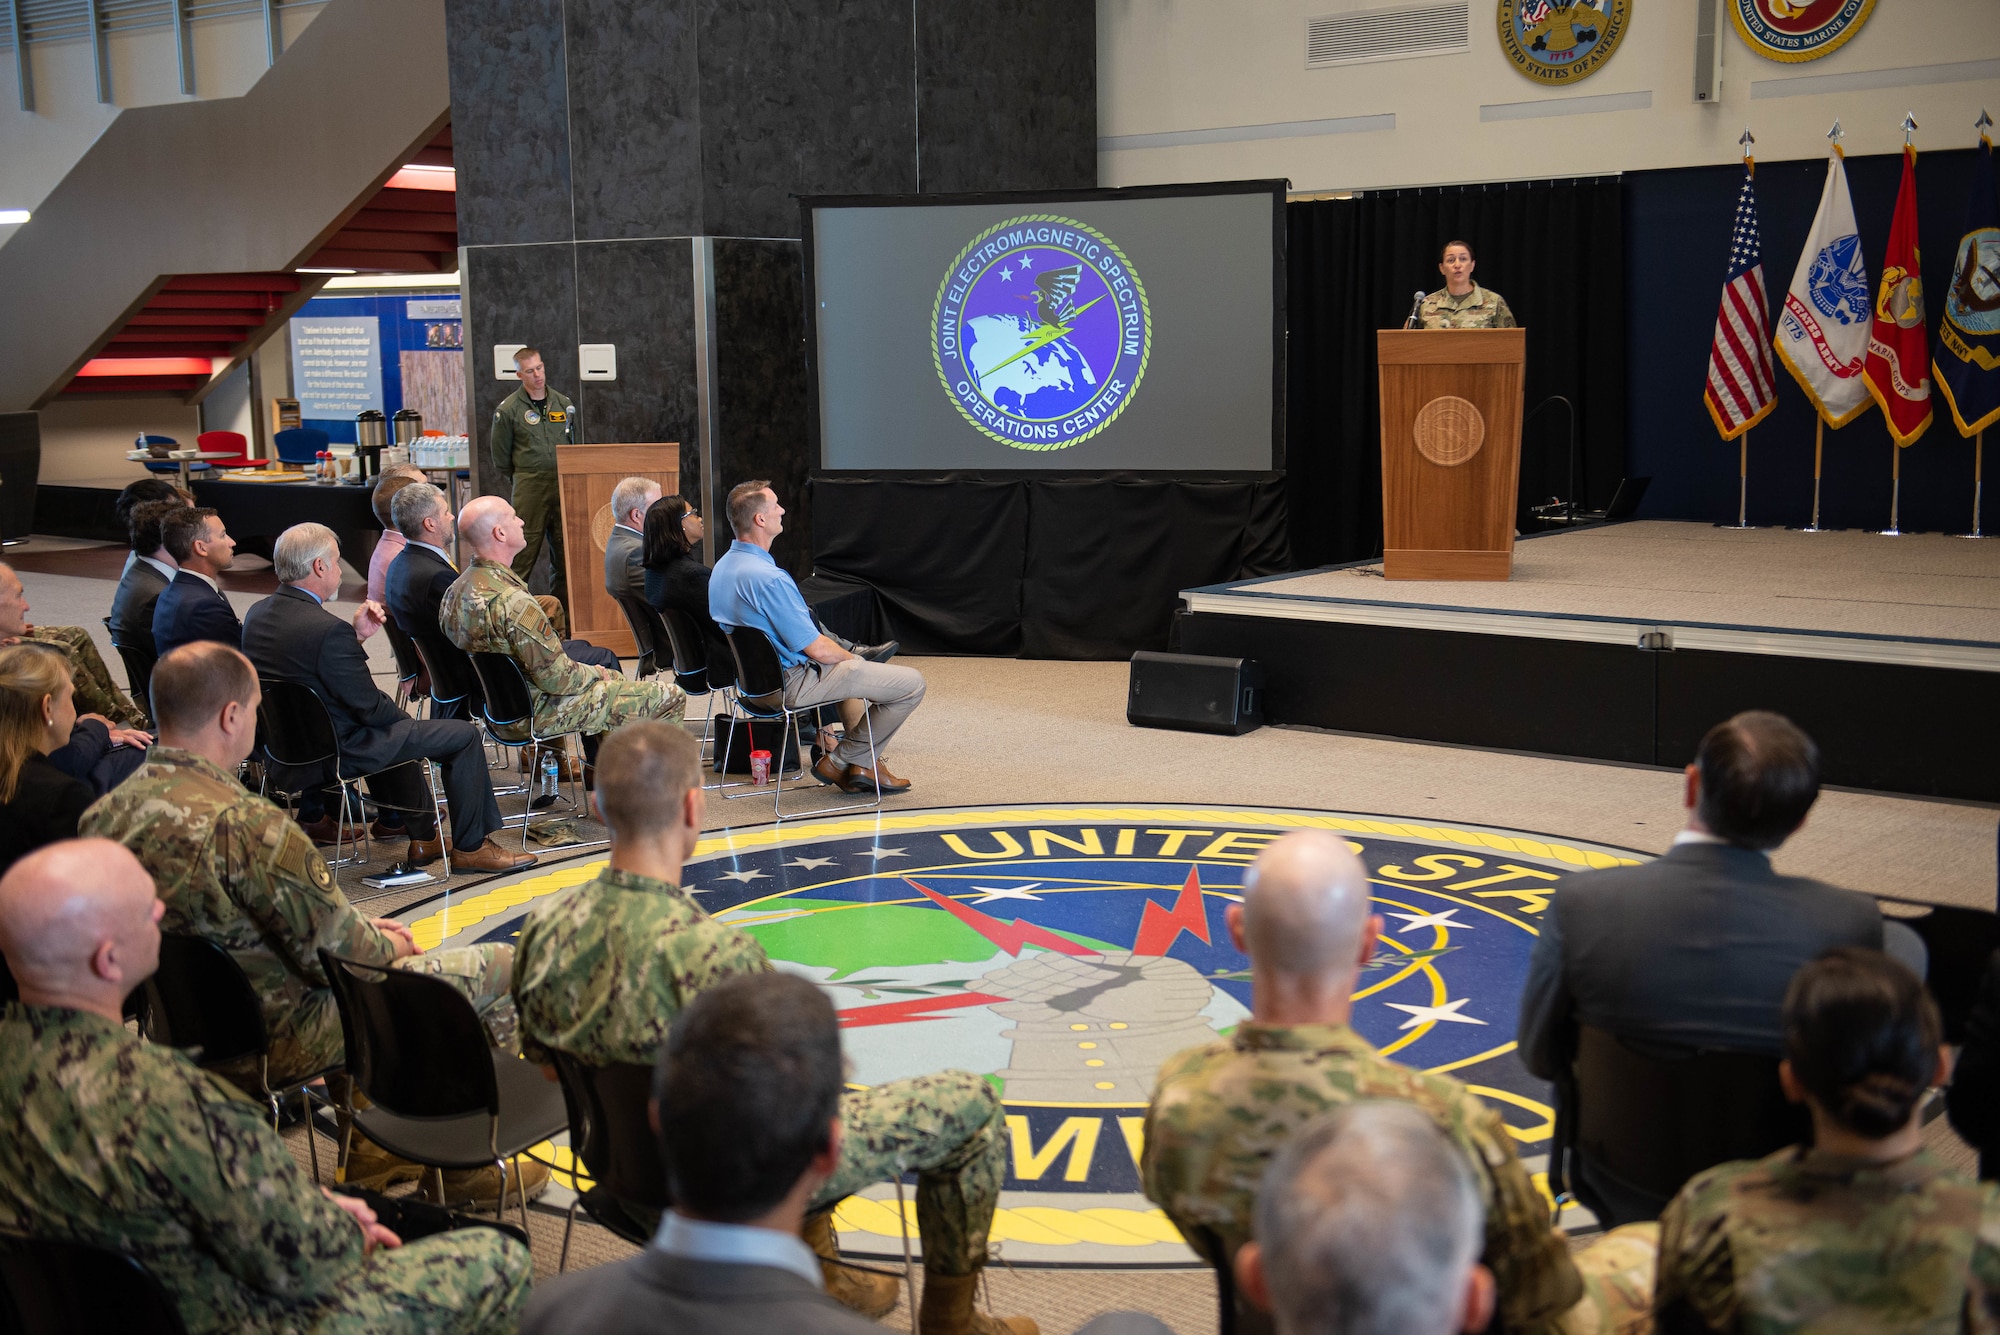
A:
{"points": [[551, 772]]}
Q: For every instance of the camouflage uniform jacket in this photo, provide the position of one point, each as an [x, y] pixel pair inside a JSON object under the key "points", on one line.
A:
{"points": [[1221, 1112], [235, 869], [125, 1144], [1477, 309], [601, 969], [488, 609], [1801, 1241]]}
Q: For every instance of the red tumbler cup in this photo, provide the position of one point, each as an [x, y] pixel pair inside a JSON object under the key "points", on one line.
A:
{"points": [[760, 767]]}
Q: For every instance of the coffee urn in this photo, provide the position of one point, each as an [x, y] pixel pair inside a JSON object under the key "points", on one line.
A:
{"points": [[371, 433], [409, 424]]}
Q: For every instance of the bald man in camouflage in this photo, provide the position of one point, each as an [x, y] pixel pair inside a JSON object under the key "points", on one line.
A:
{"points": [[1221, 1111], [116, 1142]]}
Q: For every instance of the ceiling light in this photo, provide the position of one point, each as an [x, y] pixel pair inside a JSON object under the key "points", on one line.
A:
{"points": [[13, 216], [326, 271], [417, 176], [126, 366]]}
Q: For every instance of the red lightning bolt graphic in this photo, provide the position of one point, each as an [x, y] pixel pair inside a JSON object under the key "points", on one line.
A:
{"points": [[1159, 929], [916, 1008], [1009, 936]]}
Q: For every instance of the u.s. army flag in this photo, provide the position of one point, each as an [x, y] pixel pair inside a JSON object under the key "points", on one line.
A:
{"points": [[1822, 335]]}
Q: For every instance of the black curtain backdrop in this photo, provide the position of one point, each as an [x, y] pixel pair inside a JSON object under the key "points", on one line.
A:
{"points": [[1554, 249], [1042, 565], [1678, 226]]}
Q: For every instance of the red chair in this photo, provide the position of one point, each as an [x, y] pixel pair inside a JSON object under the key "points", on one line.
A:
{"points": [[234, 442]]}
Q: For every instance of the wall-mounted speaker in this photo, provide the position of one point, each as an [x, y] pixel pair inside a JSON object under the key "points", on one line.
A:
{"points": [[1709, 26], [1195, 694]]}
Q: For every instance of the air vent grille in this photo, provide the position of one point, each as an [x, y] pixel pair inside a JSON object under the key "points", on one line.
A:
{"points": [[1363, 35]]}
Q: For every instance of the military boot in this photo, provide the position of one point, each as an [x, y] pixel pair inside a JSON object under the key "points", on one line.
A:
{"points": [[478, 1188], [869, 1292], [373, 1168], [947, 1309]]}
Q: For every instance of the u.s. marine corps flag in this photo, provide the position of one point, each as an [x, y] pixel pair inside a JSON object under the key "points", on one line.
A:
{"points": [[1899, 363], [1822, 333], [1967, 361]]}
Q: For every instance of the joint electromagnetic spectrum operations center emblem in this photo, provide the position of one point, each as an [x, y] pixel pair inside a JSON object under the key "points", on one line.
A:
{"points": [[1041, 332]]}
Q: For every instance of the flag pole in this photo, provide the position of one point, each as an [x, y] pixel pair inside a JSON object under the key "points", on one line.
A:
{"points": [[1743, 481], [1895, 489], [1978, 467], [1819, 445]]}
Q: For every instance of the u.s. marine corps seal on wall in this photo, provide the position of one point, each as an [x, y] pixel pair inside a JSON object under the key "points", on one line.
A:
{"points": [[1064, 951], [1556, 43], [1795, 30]]}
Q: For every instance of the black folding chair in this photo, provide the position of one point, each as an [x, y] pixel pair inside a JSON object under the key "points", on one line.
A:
{"points": [[54, 1287], [760, 696], [298, 734], [442, 1095], [409, 667], [509, 713], [139, 662], [200, 1001], [1959, 941], [611, 1135], [1636, 1119], [689, 647], [635, 610], [454, 685]]}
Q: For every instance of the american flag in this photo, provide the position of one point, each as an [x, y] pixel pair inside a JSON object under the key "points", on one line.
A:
{"points": [[1741, 388]]}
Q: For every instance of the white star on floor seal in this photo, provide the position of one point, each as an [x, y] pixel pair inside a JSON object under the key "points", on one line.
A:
{"points": [[989, 893], [741, 875], [807, 864], [878, 853], [1424, 1014], [1441, 919]]}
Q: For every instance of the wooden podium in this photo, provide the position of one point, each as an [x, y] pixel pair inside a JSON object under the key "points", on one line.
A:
{"points": [[1451, 451], [586, 474]]}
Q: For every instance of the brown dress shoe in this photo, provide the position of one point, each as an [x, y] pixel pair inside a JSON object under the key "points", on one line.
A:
{"points": [[489, 856], [828, 770], [423, 852], [879, 779], [323, 831]]}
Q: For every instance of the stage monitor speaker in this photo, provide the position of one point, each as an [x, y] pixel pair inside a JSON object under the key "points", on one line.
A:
{"points": [[1195, 694], [1710, 30]]}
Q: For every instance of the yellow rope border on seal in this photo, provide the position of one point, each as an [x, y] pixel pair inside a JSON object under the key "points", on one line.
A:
{"points": [[1796, 57], [435, 929], [1145, 314]]}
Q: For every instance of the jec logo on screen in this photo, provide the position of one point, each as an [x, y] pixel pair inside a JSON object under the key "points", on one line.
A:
{"points": [[1041, 332]]}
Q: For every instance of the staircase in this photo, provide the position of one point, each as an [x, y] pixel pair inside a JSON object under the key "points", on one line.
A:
{"points": [[174, 246]]}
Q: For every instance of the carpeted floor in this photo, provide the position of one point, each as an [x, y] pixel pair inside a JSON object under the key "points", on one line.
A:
{"points": [[1921, 585]]}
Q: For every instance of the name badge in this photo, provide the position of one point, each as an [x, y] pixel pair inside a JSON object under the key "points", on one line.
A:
{"points": [[531, 417], [558, 417]]}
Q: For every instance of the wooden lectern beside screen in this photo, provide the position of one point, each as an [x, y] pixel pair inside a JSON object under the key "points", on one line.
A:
{"points": [[1451, 451], [586, 475]]}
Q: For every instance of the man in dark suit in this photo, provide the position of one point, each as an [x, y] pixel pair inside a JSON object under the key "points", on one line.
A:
{"points": [[193, 607], [1696, 948], [746, 1095], [290, 636], [422, 571], [625, 548], [146, 578]]}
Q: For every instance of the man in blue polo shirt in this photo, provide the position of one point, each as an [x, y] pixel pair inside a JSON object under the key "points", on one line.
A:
{"points": [[748, 589]]}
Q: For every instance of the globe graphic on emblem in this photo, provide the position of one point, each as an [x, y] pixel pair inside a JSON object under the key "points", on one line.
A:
{"points": [[1052, 379]]}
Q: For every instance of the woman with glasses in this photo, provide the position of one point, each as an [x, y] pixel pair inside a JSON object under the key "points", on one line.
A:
{"points": [[676, 578]]}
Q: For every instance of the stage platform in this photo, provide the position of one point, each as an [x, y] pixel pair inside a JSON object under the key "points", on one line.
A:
{"points": [[1627, 641]]}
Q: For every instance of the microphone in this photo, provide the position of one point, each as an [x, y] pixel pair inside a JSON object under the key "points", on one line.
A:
{"points": [[1416, 301]]}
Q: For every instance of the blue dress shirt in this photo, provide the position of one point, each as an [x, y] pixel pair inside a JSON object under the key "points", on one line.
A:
{"points": [[747, 589], [736, 1244]]}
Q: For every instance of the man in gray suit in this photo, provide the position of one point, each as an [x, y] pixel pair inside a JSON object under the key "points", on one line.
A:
{"points": [[746, 1096], [625, 548]]}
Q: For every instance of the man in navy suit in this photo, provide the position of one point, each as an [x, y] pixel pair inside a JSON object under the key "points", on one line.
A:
{"points": [[421, 573], [290, 636], [193, 606]]}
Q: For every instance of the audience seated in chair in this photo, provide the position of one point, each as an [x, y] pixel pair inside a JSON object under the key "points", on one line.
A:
{"points": [[151, 569], [625, 548], [88, 748], [748, 589], [1696, 947], [234, 868], [753, 1128], [194, 607], [39, 804], [416, 580], [1219, 1111], [390, 545], [1865, 1229], [1368, 1223], [97, 692], [140, 492], [488, 610], [290, 636], [603, 968], [675, 579], [125, 1144]]}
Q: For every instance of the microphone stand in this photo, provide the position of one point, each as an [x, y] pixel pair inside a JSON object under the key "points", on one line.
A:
{"points": [[1416, 304]]}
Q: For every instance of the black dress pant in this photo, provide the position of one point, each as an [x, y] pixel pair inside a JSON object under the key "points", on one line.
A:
{"points": [[468, 787]]}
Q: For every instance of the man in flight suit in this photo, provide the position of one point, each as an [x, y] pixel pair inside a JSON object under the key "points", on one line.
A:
{"points": [[527, 427]]}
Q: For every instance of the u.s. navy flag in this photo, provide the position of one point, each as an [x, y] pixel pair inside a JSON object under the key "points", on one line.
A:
{"points": [[1742, 387], [1899, 363], [1823, 326], [1967, 361]]}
